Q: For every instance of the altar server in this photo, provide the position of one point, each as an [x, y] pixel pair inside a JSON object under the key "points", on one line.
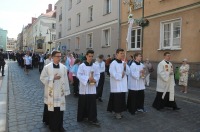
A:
{"points": [[136, 85], [88, 75], [118, 84]]}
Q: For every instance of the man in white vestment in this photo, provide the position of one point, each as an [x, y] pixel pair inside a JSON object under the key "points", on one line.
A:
{"points": [[88, 75], [165, 85], [54, 77], [118, 84], [136, 85]]}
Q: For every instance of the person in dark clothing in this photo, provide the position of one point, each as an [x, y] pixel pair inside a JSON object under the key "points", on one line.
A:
{"points": [[2, 63]]}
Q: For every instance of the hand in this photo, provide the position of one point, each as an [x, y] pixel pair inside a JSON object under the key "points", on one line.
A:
{"points": [[142, 71], [123, 74], [56, 77], [124, 66]]}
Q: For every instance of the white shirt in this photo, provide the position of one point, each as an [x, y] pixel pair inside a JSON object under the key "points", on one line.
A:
{"points": [[135, 82], [83, 75], [28, 60], [117, 83], [101, 66]]}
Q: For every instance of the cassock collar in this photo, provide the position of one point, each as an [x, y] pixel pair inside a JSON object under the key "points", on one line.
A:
{"points": [[118, 61], [167, 62], [87, 64], [56, 66], [137, 63]]}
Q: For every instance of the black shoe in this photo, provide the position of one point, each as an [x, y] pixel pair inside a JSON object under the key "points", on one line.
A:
{"points": [[100, 100], [3, 75], [176, 108], [96, 123]]}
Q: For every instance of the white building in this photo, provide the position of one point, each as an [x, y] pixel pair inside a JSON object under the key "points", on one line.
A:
{"points": [[11, 44], [83, 25], [40, 35]]}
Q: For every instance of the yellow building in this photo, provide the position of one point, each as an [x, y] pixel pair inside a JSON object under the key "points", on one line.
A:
{"points": [[173, 26]]}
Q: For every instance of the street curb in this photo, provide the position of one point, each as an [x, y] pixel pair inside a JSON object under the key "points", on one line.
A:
{"points": [[4, 101], [176, 95]]}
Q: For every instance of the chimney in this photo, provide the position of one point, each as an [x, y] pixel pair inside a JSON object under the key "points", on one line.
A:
{"points": [[33, 19], [50, 7]]}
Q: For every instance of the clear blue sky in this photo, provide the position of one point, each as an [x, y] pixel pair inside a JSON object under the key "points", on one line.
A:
{"points": [[16, 13]]}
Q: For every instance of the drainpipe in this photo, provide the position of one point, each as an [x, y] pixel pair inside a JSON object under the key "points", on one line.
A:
{"points": [[142, 30], [119, 24]]}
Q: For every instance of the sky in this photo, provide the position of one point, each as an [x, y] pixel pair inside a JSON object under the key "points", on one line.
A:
{"points": [[16, 13]]}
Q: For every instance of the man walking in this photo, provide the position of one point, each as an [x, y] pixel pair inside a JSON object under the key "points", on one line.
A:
{"points": [[54, 77]]}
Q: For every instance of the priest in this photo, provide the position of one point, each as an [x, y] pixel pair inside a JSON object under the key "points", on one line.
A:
{"points": [[118, 84], [165, 85], [88, 75], [54, 77]]}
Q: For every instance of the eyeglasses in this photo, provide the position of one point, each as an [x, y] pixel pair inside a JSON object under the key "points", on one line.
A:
{"points": [[57, 56]]}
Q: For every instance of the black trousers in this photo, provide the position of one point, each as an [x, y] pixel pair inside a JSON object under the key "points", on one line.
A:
{"points": [[87, 107], [55, 119], [76, 85], [100, 85], [135, 100], [160, 103], [46, 115], [117, 102], [2, 67], [41, 66]]}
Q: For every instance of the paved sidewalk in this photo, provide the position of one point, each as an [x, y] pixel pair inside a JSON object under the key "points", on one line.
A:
{"points": [[3, 100]]}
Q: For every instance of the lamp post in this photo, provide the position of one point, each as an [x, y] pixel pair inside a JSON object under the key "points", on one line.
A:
{"points": [[49, 42]]}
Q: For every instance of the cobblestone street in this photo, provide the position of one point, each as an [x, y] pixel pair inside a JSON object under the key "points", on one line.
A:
{"points": [[25, 110]]}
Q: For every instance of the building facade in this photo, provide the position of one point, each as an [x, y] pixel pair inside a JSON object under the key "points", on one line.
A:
{"points": [[173, 27], [11, 44], [83, 25], [3, 38]]}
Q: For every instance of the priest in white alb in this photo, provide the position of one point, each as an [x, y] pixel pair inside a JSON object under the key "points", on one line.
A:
{"points": [[54, 77], [165, 85]]}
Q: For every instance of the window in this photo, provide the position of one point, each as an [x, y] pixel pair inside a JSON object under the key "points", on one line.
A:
{"points": [[53, 37], [78, 22], [53, 26], [107, 7], [70, 4], [77, 46], [78, 1], [136, 35], [137, 4], [90, 13], [69, 24], [60, 15], [106, 37], [68, 44], [89, 41], [170, 34]]}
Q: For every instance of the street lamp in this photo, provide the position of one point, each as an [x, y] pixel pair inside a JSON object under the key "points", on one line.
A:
{"points": [[49, 42]]}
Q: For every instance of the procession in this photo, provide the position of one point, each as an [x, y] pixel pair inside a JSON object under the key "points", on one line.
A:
{"points": [[84, 78]]}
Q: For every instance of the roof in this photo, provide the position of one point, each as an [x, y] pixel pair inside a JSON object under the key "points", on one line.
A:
{"points": [[50, 14]]}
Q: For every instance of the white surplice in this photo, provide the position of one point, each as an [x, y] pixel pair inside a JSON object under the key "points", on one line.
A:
{"points": [[101, 66], [55, 90], [117, 83], [135, 81], [165, 81], [83, 75]]}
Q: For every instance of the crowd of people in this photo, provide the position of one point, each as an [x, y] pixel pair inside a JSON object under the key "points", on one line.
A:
{"points": [[87, 76]]}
